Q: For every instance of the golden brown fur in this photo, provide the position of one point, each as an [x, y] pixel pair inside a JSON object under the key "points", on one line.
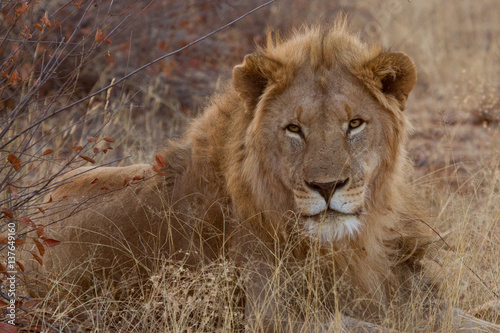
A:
{"points": [[243, 183]]}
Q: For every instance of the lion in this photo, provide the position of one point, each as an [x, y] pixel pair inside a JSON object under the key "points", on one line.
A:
{"points": [[302, 155]]}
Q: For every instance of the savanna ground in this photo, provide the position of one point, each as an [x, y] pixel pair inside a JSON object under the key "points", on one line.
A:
{"points": [[63, 59]]}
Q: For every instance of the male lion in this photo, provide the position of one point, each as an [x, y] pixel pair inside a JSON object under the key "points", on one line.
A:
{"points": [[300, 161]]}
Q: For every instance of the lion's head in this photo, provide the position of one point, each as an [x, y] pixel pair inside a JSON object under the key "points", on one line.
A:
{"points": [[326, 129]]}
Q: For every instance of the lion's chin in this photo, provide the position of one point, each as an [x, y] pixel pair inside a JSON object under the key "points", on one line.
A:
{"points": [[332, 226]]}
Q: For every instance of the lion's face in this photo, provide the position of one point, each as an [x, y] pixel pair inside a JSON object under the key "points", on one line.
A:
{"points": [[326, 134]]}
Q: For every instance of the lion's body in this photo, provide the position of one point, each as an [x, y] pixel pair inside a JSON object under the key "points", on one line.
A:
{"points": [[251, 175]]}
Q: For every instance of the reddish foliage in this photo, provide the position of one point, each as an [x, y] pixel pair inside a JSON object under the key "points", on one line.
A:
{"points": [[47, 152], [51, 242], [88, 159], [37, 258], [39, 246], [160, 160], [7, 213], [25, 221]]}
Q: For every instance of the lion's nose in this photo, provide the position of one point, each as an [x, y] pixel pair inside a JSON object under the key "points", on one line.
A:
{"points": [[327, 189]]}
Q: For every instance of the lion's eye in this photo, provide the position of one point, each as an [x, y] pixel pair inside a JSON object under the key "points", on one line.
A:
{"points": [[294, 128], [355, 126], [355, 123]]}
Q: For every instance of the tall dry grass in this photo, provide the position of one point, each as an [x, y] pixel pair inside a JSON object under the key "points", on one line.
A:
{"points": [[455, 145]]}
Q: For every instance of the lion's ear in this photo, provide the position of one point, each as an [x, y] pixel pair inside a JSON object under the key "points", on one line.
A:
{"points": [[395, 74], [251, 78]]}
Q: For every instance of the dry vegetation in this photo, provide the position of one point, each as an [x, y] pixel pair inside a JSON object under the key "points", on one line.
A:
{"points": [[61, 60]]}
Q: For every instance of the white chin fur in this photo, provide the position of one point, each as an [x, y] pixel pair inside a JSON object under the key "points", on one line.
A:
{"points": [[333, 228]]}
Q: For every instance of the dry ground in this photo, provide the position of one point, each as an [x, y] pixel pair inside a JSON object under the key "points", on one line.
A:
{"points": [[455, 146]]}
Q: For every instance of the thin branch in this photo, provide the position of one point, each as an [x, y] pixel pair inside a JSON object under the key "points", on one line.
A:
{"points": [[136, 71]]}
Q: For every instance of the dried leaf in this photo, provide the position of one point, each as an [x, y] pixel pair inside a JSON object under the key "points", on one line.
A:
{"points": [[37, 258], [22, 9], [25, 221], [108, 140], [21, 266], [19, 242], [95, 150], [99, 35], [46, 21], [57, 24], [38, 26], [51, 242], [160, 160], [7, 213], [156, 168], [94, 181], [106, 187], [47, 152], [39, 246], [50, 199], [77, 147], [88, 159], [92, 139], [40, 231], [41, 210], [77, 3], [138, 178]]}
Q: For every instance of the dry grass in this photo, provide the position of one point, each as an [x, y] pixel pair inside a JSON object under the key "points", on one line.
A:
{"points": [[455, 146]]}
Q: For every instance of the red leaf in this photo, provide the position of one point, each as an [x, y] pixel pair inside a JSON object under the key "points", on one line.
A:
{"points": [[3, 305], [156, 168], [57, 24], [108, 140], [138, 178], [15, 77], [47, 152], [77, 147], [7, 213], [40, 231], [160, 160], [25, 221], [50, 199], [99, 35], [21, 266], [4, 238], [38, 26], [77, 3], [15, 161], [46, 21], [88, 159], [94, 181], [51, 242], [39, 246], [41, 210], [21, 10], [19, 242], [92, 139], [37, 258]]}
